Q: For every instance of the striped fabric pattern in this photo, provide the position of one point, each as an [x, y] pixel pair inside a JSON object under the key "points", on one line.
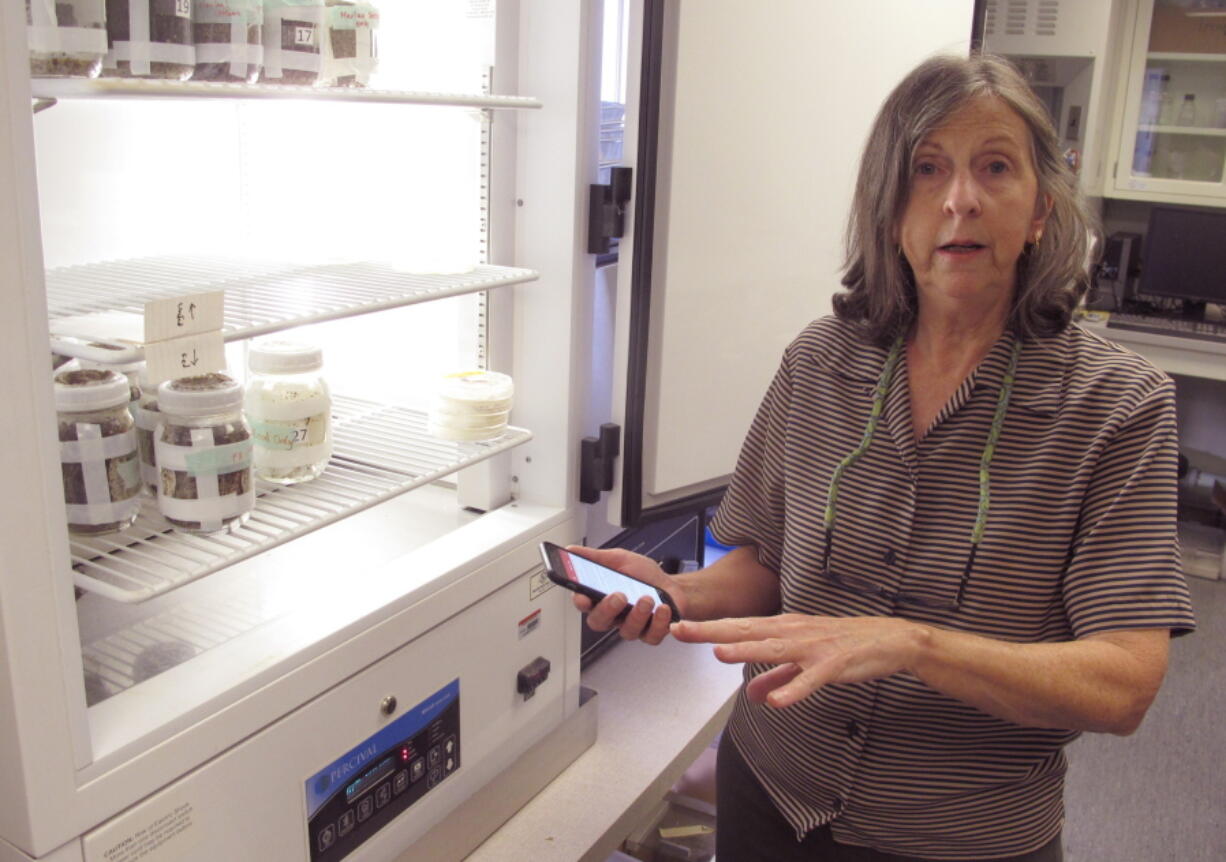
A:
{"points": [[1080, 539]]}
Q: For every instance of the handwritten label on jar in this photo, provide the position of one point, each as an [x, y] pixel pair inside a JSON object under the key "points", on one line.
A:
{"points": [[216, 460], [184, 315], [288, 434]]}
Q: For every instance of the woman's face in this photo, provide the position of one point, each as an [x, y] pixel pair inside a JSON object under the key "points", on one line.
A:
{"points": [[973, 205]]}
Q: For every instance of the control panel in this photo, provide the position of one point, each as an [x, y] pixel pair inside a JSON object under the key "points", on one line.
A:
{"points": [[352, 798]]}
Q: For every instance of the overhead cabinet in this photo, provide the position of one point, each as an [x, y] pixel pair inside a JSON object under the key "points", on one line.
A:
{"points": [[1171, 141]]}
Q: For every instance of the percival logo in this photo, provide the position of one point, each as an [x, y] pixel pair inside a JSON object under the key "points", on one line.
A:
{"points": [[342, 770]]}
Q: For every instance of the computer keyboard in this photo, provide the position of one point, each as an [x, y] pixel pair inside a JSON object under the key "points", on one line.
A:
{"points": [[1179, 327]]}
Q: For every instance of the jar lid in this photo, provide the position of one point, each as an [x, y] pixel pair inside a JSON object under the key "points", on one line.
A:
{"points": [[128, 366], [90, 389], [278, 356], [476, 386], [201, 395]]}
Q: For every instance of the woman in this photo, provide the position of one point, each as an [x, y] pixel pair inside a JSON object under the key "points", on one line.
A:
{"points": [[954, 514]]}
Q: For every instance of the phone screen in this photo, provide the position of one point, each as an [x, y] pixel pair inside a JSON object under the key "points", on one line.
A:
{"points": [[600, 577]]}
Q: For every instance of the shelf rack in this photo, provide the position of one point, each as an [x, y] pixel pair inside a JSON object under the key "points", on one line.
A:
{"points": [[380, 451], [48, 89], [104, 302]]}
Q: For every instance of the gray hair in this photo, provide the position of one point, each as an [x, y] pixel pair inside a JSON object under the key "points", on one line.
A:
{"points": [[1052, 276]]}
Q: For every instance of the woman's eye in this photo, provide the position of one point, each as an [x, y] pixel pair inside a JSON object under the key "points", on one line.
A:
{"points": [[925, 169], [998, 166]]}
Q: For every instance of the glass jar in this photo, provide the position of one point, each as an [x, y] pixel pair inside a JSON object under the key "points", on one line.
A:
{"points": [[97, 450], [203, 451], [229, 37], [350, 56], [149, 39], [67, 38], [293, 35], [147, 417], [470, 405], [290, 411]]}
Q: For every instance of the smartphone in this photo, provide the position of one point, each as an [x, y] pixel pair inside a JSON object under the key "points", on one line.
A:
{"points": [[596, 581]]}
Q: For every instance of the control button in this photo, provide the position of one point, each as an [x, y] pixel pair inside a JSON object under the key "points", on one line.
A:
{"points": [[449, 745], [346, 823], [383, 794], [366, 807], [327, 837], [436, 775], [449, 766], [531, 676], [435, 755], [418, 769], [401, 782], [889, 556]]}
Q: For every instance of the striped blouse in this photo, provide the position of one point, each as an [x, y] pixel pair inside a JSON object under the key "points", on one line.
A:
{"points": [[1080, 539]]}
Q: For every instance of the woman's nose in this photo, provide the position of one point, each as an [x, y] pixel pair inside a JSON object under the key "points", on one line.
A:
{"points": [[962, 195]]}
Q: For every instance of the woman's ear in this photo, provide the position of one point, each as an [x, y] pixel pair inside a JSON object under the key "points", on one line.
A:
{"points": [[1042, 209]]}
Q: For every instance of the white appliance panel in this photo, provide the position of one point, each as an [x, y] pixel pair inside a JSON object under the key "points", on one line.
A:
{"points": [[211, 813]]}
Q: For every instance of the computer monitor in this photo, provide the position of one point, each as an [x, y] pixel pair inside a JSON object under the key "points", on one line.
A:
{"points": [[1185, 256]]}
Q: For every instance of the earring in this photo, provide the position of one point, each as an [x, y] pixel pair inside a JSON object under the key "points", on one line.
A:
{"points": [[1038, 235]]}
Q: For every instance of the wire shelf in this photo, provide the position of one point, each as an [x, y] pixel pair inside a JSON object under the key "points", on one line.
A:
{"points": [[104, 302], [379, 452], [129, 88]]}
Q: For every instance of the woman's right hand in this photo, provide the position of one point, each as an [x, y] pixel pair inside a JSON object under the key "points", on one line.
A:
{"points": [[647, 621]]}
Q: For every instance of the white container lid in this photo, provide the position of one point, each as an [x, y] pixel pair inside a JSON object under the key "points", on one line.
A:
{"points": [[90, 389], [202, 395], [278, 356], [476, 386], [132, 365]]}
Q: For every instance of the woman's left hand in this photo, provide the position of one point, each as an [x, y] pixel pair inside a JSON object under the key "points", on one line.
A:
{"points": [[808, 651]]}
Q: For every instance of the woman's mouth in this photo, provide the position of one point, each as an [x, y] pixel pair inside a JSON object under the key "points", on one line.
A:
{"points": [[961, 247]]}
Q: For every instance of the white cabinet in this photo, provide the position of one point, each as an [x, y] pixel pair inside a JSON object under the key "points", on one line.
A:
{"points": [[1171, 135], [1068, 52]]}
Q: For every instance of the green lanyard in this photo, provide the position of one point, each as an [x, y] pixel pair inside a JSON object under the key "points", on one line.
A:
{"points": [[874, 416]]}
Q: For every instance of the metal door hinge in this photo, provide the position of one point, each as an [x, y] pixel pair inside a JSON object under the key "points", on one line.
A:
{"points": [[596, 458], [606, 210]]}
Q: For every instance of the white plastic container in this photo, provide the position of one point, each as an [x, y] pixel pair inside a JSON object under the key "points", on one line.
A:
{"points": [[97, 450], [203, 450], [471, 405], [289, 408]]}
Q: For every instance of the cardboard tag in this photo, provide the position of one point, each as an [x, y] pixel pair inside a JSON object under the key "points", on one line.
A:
{"points": [[178, 316], [185, 357]]}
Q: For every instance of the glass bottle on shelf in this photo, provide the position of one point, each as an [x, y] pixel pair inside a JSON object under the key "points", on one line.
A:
{"points": [[289, 407], [1187, 110], [203, 450]]}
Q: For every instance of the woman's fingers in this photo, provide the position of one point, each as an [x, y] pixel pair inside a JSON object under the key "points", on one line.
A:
{"points": [[728, 631], [636, 622], [764, 683], [657, 629], [605, 614]]}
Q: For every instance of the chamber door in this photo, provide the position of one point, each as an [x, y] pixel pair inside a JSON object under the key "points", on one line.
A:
{"points": [[744, 125]]}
